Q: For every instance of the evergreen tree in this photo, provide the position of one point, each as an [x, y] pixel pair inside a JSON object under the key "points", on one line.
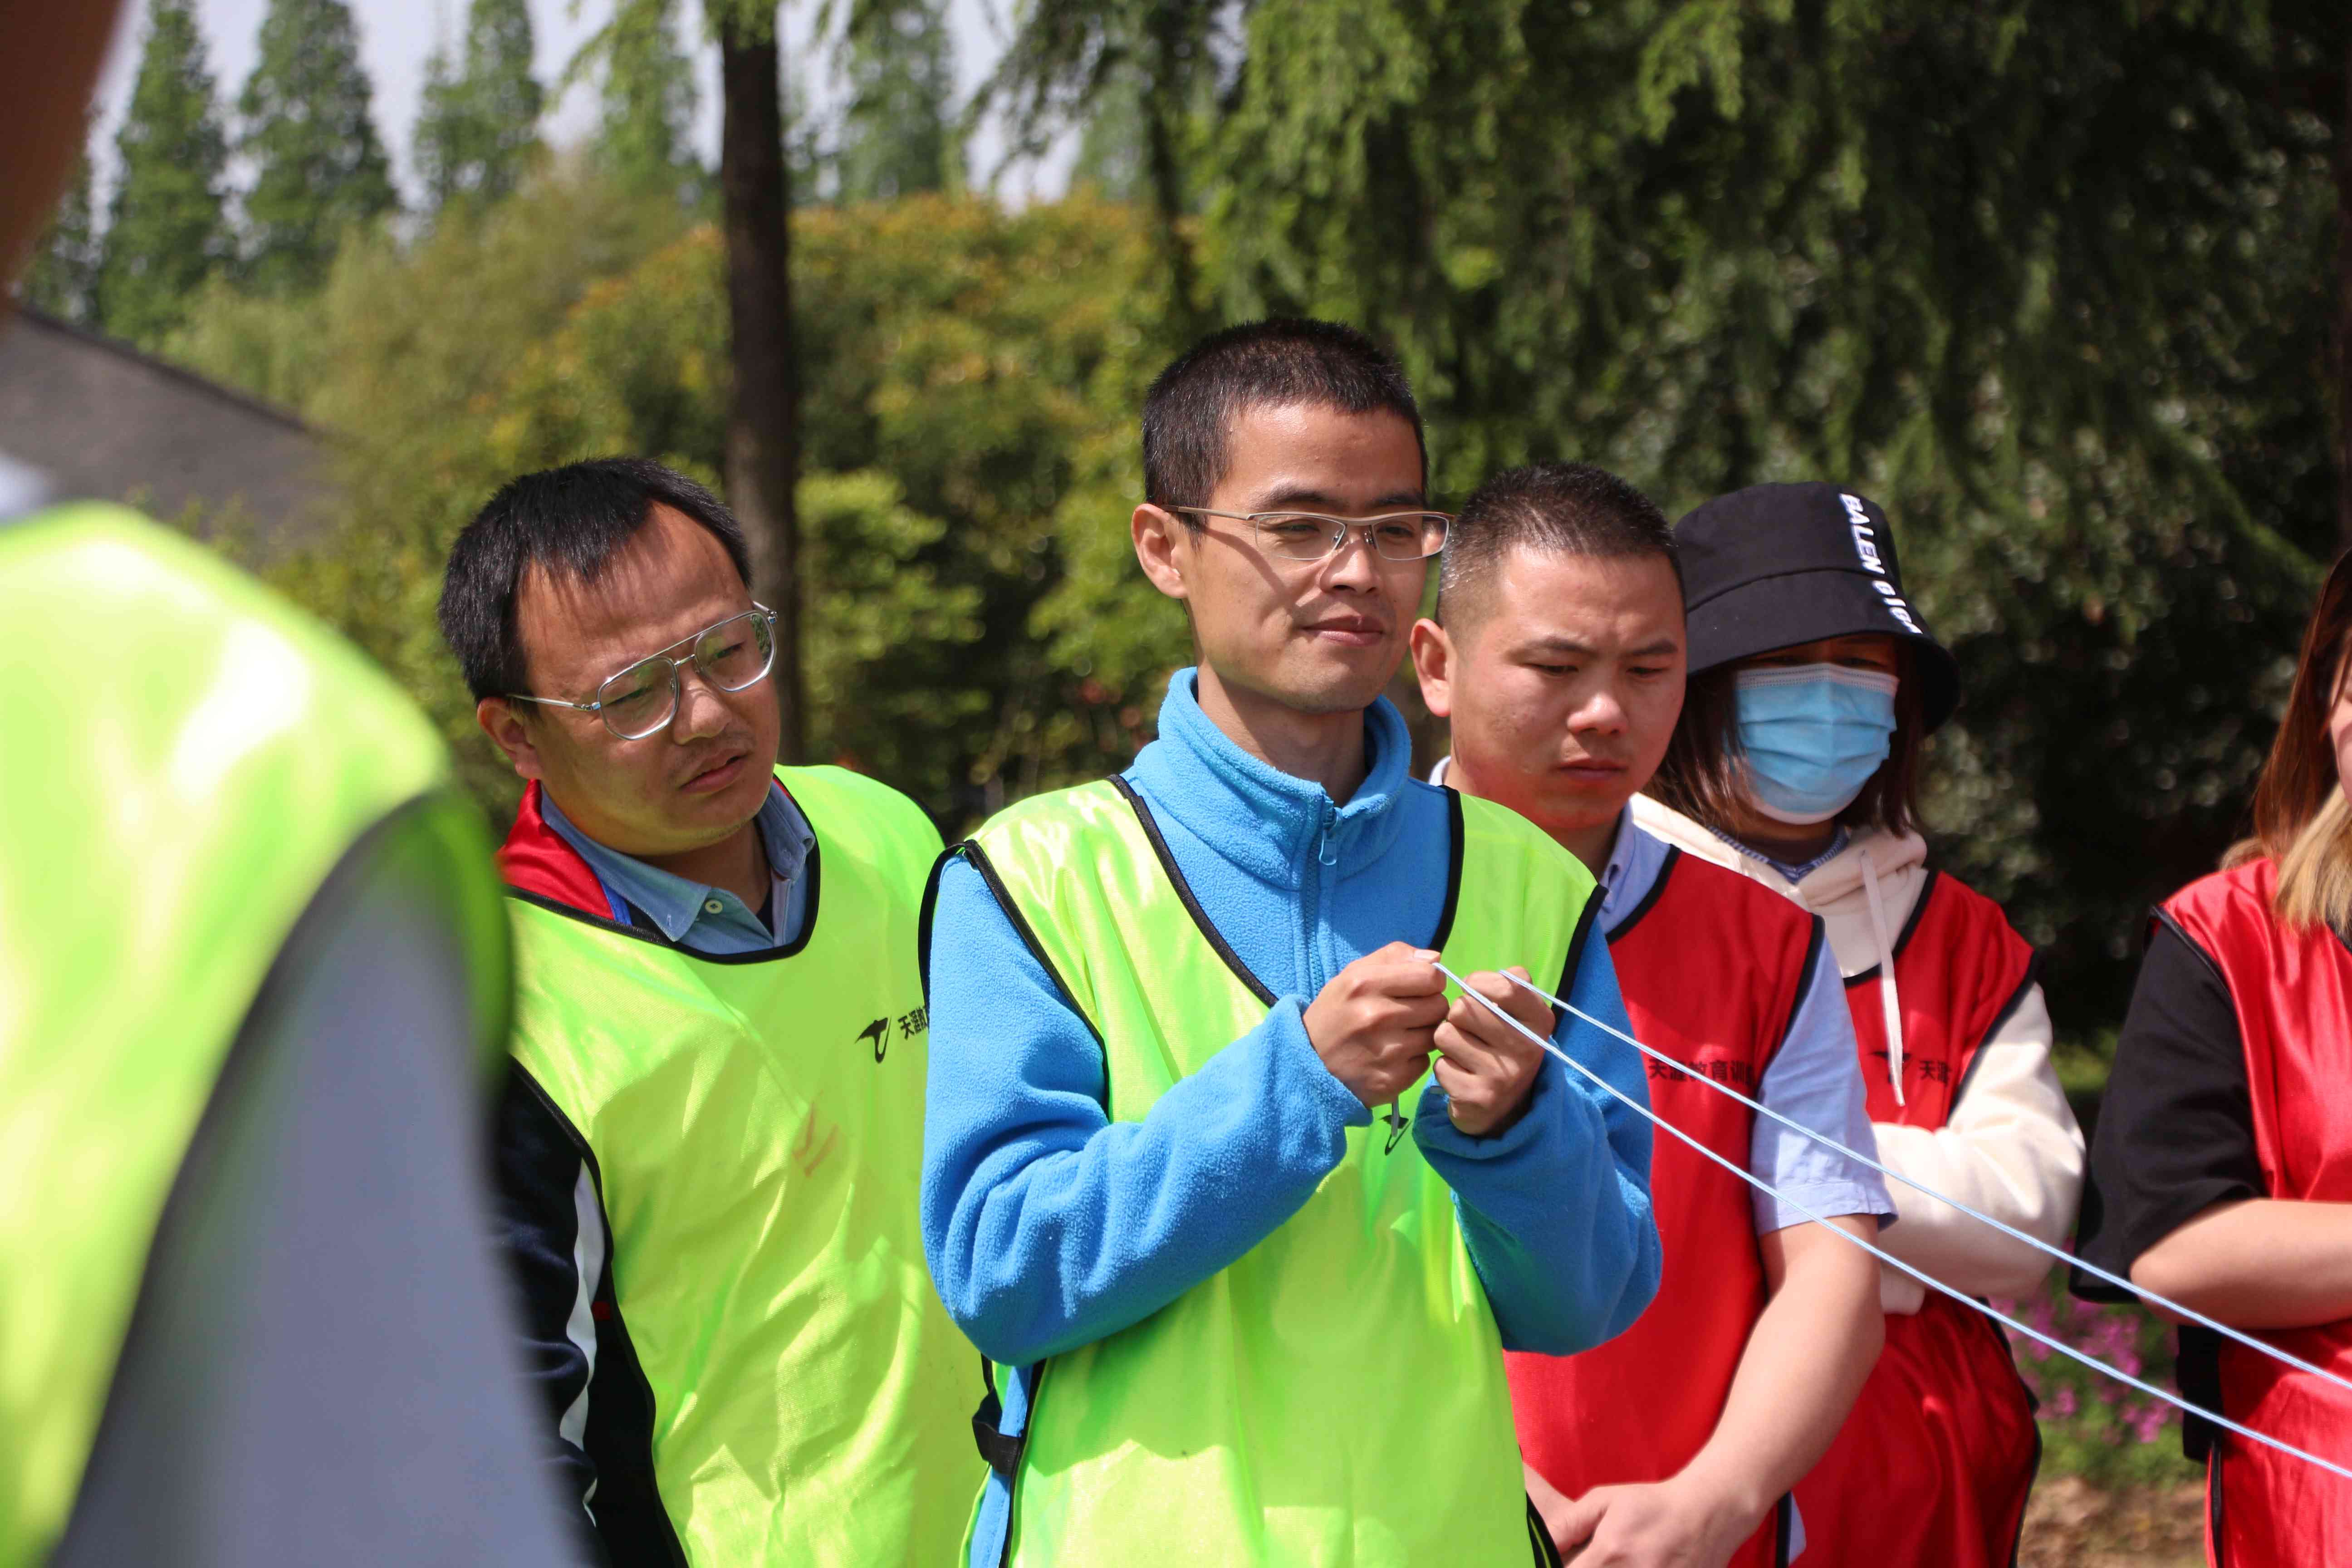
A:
{"points": [[169, 226], [648, 97], [319, 166], [1149, 70], [63, 279], [478, 125], [1112, 154], [901, 70]]}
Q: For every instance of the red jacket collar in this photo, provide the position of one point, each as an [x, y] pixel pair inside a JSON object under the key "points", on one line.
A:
{"points": [[536, 859]]}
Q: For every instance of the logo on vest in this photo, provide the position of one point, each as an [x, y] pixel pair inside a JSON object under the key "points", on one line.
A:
{"points": [[908, 1026], [1731, 1070], [1866, 550], [1928, 1068]]}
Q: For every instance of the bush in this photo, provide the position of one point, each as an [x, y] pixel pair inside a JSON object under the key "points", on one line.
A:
{"points": [[2092, 1425], [975, 629]]}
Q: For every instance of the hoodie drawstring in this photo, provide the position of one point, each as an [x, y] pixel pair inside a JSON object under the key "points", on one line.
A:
{"points": [[1889, 1000]]}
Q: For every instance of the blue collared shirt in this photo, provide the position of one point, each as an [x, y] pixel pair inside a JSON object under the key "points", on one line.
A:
{"points": [[697, 916]]}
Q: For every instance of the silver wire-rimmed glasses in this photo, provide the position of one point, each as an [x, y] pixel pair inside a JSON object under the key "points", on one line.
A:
{"points": [[643, 699], [1314, 536]]}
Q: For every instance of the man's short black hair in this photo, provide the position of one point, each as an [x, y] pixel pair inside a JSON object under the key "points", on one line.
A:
{"points": [[1279, 363], [571, 522], [1572, 508]]}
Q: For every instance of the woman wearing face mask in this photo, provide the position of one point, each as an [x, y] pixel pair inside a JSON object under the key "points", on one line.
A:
{"points": [[1816, 675], [2222, 1174]]}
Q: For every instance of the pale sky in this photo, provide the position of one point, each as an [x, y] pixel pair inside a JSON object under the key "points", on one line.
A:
{"points": [[395, 35]]}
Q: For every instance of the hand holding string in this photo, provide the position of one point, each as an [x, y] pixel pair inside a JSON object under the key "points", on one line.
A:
{"points": [[1485, 1066], [1373, 1024]]}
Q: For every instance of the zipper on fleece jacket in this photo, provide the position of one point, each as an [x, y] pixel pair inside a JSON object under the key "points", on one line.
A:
{"points": [[1314, 941]]}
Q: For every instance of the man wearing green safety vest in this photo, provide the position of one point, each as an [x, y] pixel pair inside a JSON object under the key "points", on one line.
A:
{"points": [[709, 1144], [1235, 1317], [252, 983]]}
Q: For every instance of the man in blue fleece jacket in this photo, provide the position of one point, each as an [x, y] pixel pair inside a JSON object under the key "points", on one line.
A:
{"points": [[1070, 1220]]}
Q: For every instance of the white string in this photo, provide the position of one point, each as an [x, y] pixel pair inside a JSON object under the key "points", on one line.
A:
{"points": [[1936, 1285], [2061, 1254]]}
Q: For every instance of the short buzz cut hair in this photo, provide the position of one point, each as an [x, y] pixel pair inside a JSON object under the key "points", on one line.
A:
{"points": [[1570, 509], [1282, 362], [570, 521]]}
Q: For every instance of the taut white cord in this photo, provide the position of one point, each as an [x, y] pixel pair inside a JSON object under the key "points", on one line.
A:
{"points": [[2060, 1253], [1933, 1284]]}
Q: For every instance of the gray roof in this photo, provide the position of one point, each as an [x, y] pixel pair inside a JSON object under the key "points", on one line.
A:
{"points": [[102, 421]]}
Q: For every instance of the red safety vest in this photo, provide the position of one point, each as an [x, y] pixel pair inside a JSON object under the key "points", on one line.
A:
{"points": [[2293, 992], [1933, 1465], [1712, 967]]}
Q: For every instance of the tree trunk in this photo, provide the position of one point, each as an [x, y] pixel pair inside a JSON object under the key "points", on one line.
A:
{"points": [[764, 415], [1166, 102]]}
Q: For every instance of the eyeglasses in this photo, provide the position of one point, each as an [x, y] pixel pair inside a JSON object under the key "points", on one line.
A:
{"points": [[1312, 536], [736, 653]]}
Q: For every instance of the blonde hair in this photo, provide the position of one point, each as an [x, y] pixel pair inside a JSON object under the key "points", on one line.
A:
{"points": [[2315, 875], [2301, 817]]}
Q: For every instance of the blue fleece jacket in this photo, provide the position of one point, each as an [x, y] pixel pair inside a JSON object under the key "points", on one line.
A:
{"points": [[1048, 1226]]}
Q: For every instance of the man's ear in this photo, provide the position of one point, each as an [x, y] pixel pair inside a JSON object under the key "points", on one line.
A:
{"points": [[1434, 663], [1161, 541], [507, 730]]}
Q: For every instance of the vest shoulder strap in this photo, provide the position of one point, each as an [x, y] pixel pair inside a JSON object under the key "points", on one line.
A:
{"points": [[864, 817], [1700, 920], [1086, 855], [2225, 901], [1512, 890], [1958, 931]]}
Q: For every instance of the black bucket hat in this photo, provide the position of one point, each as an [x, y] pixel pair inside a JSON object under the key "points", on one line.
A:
{"points": [[1774, 565]]}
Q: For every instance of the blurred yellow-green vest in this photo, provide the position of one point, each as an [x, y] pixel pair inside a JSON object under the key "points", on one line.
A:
{"points": [[184, 761]]}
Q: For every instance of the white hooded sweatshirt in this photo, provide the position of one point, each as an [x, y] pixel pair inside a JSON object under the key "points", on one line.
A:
{"points": [[2011, 1146]]}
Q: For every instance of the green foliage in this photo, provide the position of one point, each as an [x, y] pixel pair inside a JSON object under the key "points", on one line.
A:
{"points": [[169, 228], [320, 167], [63, 277], [648, 97], [896, 137], [1113, 151], [403, 354], [2046, 279], [479, 126], [745, 21], [981, 361], [1156, 64], [971, 377], [273, 346], [2049, 280], [2093, 1425]]}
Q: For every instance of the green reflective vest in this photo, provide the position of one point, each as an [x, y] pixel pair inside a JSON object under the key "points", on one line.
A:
{"points": [[756, 1126], [1337, 1395], [184, 759]]}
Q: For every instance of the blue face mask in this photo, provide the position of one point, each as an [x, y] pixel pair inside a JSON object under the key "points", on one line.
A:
{"points": [[1813, 735]]}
